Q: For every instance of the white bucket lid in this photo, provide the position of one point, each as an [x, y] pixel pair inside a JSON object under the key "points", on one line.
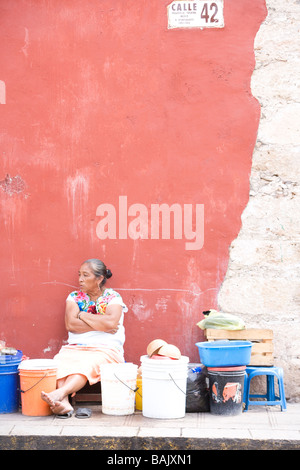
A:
{"points": [[37, 364], [119, 365], [125, 370], [175, 362]]}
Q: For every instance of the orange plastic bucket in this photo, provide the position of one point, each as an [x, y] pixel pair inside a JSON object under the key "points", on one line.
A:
{"points": [[36, 375]]}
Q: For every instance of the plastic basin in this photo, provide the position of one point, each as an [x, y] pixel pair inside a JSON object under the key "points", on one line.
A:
{"points": [[225, 353]]}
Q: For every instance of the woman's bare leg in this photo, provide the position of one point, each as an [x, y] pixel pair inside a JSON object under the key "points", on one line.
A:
{"points": [[58, 399]]}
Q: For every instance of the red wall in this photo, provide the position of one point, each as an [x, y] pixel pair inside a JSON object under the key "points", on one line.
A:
{"points": [[103, 101]]}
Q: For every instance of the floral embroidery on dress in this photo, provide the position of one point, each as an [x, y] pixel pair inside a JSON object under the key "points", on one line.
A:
{"points": [[81, 299], [99, 307], [101, 302]]}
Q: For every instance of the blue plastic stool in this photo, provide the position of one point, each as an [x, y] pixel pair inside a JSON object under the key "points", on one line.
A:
{"points": [[271, 398]]}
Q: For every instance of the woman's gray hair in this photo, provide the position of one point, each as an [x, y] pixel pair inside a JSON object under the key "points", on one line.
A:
{"points": [[99, 269]]}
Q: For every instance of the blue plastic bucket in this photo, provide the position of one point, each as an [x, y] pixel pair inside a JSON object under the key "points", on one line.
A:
{"points": [[225, 353], [10, 382]]}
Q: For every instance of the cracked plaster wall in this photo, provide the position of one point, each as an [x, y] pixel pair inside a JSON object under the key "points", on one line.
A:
{"points": [[262, 284]]}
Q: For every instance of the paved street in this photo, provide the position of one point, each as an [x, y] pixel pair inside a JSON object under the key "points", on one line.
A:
{"points": [[261, 427]]}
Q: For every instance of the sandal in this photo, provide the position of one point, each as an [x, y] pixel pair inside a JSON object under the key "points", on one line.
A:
{"points": [[83, 413], [66, 415]]}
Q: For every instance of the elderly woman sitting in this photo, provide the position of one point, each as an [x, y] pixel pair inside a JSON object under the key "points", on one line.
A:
{"points": [[94, 320]]}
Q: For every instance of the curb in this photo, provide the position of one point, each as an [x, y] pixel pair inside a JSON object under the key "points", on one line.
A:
{"points": [[140, 443]]}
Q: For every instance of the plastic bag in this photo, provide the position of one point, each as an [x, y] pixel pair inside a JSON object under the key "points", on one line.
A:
{"points": [[221, 321], [197, 389]]}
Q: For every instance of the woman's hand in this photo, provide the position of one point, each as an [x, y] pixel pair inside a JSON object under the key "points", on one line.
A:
{"points": [[72, 322], [113, 331]]}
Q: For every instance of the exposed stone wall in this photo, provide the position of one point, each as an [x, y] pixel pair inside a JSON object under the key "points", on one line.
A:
{"points": [[262, 284]]}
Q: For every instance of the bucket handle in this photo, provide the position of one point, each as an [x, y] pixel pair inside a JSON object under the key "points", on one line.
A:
{"points": [[133, 390], [24, 391], [176, 384]]}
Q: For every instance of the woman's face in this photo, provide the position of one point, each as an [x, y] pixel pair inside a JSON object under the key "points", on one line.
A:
{"points": [[88, 282]]}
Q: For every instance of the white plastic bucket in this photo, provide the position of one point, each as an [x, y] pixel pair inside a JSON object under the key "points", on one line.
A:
{"points": [[164, 387], [118, 385]]}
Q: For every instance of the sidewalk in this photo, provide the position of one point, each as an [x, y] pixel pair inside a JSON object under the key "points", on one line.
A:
{"points": [[260, 428]]}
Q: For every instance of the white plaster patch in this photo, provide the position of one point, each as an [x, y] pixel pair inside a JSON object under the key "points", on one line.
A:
{"points": [[77, 189], [162, 304], [26, 43], [139, 309], [2, 92]]}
